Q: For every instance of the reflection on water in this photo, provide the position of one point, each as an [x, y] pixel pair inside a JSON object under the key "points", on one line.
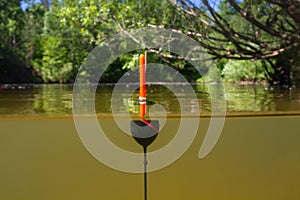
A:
{"points": [[260, 98], [52, 100], [36, 100]]}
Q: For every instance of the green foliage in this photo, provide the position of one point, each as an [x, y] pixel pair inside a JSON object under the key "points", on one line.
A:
{"points": [[53, 41], [236, 71], [213, 75], [131, 61], [11, 43]]}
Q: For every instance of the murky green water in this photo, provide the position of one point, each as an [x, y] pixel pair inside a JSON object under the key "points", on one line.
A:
{"points": [[257, 155]]}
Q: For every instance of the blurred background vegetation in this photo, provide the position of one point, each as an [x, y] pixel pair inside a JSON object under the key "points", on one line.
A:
{"points": [[251, 40]]}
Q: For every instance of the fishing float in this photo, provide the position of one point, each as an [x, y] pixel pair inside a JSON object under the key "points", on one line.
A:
{"points": [[144, 131]]}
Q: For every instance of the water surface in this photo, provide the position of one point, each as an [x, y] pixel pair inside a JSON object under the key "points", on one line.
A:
{"points": [[56, 100]]}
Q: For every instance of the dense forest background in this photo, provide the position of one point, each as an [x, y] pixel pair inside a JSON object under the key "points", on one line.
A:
{"points": [[251, 40]]}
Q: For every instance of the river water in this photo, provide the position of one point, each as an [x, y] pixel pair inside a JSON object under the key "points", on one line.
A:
{"points": [[56, 100], [257, 155]]}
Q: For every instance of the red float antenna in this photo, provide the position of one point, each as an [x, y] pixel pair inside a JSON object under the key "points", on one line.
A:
{"points": [[142, 95]]}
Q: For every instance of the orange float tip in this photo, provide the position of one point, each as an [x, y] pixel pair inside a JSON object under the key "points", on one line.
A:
{"points": [[142, 59], [142, 76], [142, 95]]}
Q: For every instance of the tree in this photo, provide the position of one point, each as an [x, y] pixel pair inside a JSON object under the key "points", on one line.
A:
{"points": [[158, 14], [266, 30], [54, 39], [32, 36], [74, 28], [11, 43]]}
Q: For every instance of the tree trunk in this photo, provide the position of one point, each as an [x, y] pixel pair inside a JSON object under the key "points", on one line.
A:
{"points": [[282, 73], [285, 68]]}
